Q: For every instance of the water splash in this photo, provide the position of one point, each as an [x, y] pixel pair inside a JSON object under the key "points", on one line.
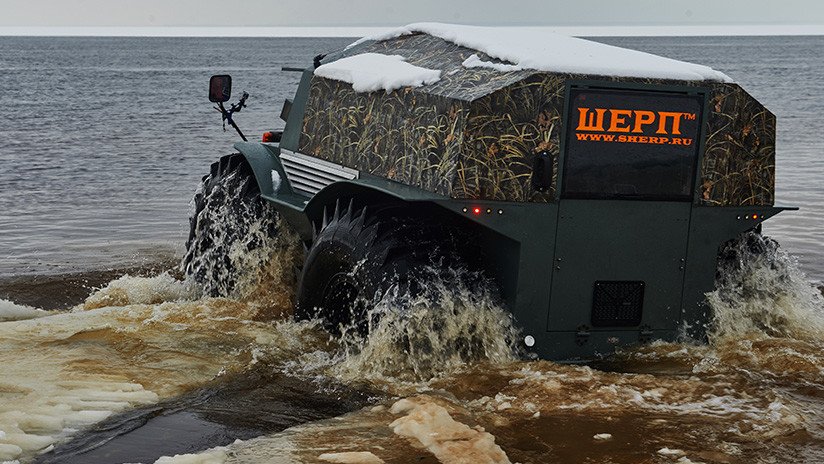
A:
{"points": [[448, 321], [128, 290], [418, 335], [761, 292], [240, 244]]}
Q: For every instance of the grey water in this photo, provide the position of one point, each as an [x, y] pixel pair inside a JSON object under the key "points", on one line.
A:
{"points": [[103, 141]]}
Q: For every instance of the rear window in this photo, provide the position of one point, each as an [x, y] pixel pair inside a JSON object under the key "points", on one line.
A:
{"points": [[631, 144]]}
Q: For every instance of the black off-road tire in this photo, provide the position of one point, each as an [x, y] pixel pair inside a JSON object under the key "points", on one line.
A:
{"points": [[225, 208], [359, 252]]}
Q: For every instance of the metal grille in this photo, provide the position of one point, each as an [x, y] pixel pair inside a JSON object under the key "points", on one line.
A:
{"points": [[308, 175], [617, 303]]}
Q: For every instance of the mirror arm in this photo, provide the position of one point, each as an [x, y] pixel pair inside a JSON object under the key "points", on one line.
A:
{"points": [[227, 116]]}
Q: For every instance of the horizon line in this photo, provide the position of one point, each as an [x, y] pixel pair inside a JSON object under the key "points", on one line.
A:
{"points": [[354, 31]]}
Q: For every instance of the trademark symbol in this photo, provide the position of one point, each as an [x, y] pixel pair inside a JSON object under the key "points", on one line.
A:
{"points": [[690, 116]]}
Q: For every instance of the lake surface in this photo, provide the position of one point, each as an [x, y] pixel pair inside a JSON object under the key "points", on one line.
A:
{"points": [[105, 139]]}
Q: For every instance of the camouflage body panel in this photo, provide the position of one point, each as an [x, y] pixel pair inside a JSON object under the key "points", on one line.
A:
{"points": [[475, 133], [505, 131], [407, 136], [739, 159]]}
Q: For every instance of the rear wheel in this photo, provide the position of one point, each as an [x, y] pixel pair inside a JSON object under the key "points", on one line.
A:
{"points": [[359, 253]]}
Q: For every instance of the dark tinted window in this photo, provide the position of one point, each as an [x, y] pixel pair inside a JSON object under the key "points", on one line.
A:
{"points": [[631, 144]]}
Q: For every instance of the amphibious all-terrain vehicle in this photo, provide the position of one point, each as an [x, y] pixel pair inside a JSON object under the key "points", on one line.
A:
{"points": [[594, 185]]}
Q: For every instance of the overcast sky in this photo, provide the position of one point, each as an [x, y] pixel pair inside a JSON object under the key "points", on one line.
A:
{"points": [[303, 13]]}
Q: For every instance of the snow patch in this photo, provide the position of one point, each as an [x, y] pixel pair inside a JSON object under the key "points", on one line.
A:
{"points": [[276, 181], [370, 72], [602, 436], [10, 311], [544, 51]]}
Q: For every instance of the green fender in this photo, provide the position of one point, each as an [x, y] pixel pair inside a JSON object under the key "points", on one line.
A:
{"points": [[300, 210]]}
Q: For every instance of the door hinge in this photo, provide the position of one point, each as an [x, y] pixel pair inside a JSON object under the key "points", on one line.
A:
{"points": [[582, 335], [645, 334]]}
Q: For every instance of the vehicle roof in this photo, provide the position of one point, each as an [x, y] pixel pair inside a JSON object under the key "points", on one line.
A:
{"points": [[475, 61]]}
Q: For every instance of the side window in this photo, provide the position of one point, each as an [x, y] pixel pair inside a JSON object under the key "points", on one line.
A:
{"points": [[629, 144]]}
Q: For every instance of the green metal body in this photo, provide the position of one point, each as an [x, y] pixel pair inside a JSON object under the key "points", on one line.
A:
{"points": [[547, 256]]}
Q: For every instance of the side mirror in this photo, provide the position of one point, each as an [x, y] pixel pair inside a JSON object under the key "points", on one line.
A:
{"points": [[542, 172], [220, 88]]}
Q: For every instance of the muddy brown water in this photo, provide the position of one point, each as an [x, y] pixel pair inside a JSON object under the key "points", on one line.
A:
{"points": [[145, 367]]}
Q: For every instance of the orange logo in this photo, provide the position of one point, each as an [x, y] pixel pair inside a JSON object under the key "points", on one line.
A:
{"points": [[621, 121]]}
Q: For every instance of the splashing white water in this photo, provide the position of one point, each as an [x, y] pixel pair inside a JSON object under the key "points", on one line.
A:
{"points": [[762, 292], [234, 236], [128, 290], [454, 322], [418, 336]]}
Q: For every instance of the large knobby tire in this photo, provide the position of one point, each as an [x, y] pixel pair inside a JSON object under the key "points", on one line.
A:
{"points": [[359, 252], [228, 216]]}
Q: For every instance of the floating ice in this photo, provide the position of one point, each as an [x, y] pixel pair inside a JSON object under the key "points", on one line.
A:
{"points": [[215, 455], [546, 51], [447, 439], [369, 72], [10, 311], [351, 457]]}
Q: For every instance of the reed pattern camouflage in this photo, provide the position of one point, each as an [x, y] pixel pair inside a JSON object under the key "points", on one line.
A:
{"points": [[475, 133]]}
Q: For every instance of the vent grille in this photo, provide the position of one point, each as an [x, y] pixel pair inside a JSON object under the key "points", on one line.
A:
{"points": [[617, 303], [308, 175]]}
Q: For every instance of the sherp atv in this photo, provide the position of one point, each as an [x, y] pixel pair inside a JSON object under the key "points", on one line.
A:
{"points": [[595, 194]]}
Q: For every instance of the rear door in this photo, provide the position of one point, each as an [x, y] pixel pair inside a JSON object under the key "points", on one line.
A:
{"points": [[628, 179]]}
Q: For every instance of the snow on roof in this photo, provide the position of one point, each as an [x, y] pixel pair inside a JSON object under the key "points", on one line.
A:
{"points": [[547, 51], [369, 72]]}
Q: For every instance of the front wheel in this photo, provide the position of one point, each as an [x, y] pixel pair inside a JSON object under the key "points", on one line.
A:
{"points": [[230, 224]]}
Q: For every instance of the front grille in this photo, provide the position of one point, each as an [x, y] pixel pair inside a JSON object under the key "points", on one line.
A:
{"points": [[308, 175], [617, 303]]}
